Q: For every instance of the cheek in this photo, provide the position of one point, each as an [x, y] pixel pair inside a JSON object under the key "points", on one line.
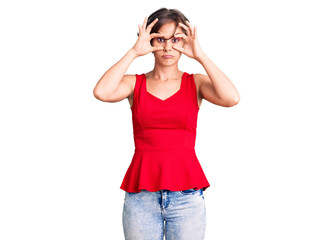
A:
{"points": [[178, 53]]}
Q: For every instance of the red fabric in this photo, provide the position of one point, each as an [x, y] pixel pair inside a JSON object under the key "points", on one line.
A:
{"points": [[164, 136]]}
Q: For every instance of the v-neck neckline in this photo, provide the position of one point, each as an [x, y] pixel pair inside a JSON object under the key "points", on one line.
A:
{"points": [[170, 97]]}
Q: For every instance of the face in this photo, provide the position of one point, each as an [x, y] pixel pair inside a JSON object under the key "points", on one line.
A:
{"points": [[168, 40]]}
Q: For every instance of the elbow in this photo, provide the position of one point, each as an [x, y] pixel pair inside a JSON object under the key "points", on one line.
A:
{"points": [[235, 100], [102, 96], [95, 93], [98, 95]]}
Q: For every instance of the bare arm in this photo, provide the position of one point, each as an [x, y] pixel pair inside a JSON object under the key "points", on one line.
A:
{"points": [[110, 81], [114, 85], [217, 87]]}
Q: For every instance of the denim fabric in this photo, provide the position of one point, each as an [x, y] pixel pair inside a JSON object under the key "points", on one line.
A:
{"points": [[179, 215]]}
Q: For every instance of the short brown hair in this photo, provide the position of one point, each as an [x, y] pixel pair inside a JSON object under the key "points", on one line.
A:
{"points": [[165, 15]]}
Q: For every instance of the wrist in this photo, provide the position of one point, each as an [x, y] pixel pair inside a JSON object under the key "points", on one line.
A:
{"points": [[133, 53], [201, 58]]}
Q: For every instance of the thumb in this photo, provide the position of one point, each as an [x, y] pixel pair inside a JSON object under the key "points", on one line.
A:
{"points": [[178, 49], [157, 48]]}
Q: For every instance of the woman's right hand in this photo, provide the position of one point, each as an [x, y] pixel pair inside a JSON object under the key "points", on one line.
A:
{"points": [[142, 45]]}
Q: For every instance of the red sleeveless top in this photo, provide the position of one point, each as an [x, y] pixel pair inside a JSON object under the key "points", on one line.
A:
{"points": [[164, 136]]}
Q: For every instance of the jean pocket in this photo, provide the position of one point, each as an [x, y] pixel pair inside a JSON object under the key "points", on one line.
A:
{"points": [[132, 193], [190, 191]]}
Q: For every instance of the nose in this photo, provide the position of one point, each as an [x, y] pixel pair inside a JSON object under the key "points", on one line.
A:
{"points": [[167, 45]]}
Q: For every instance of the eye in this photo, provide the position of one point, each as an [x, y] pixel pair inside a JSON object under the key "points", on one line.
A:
{"points": [[160, 39], [175, 40]]}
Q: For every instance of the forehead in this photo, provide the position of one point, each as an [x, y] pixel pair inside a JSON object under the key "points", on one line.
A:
{"points": [[169, 29]]}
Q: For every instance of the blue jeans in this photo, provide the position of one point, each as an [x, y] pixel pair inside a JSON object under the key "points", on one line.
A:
{"points": [[183, 212]]}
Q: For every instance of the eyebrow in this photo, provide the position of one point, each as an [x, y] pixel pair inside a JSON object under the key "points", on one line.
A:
{"points": [[172, 35]]}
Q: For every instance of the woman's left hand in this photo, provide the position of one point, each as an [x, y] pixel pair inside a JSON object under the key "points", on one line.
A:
{"points": [[191, 48]]}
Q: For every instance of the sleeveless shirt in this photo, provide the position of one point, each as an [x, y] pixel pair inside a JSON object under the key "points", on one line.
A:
{"points": [[164, 137]]}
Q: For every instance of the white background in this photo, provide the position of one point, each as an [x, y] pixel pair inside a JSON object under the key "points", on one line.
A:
{"points": [[64, 153]]}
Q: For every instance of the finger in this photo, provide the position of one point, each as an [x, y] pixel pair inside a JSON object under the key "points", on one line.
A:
{"points": [[181, 35], [185, 27], [188, 23], [191, 27], [139, 30], [155, 35], [179, 49], [152, 24], [183, 38], [144, 23], [157, 48]]}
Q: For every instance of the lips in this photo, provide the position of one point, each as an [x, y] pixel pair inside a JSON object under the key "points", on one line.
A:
{"points": [[167, 56]]}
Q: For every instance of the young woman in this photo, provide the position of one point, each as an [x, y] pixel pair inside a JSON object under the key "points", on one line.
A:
{"points": [[164, 183]]}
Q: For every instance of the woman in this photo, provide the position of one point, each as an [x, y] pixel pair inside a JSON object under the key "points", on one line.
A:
{"points": [[165, 182]]}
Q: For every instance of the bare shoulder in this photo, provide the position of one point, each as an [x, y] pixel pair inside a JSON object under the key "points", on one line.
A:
{"points": [[199, 78], [130, 79], [207, 91]]}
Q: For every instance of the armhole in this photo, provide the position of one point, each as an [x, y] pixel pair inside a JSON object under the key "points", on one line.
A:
{"points": [[136, 88], [194, 86]]}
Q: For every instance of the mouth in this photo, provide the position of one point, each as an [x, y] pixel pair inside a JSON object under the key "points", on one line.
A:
{"points": [[167, 56]]}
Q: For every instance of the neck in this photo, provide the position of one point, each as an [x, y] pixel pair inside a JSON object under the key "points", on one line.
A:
{"points": [[165, 72]]}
